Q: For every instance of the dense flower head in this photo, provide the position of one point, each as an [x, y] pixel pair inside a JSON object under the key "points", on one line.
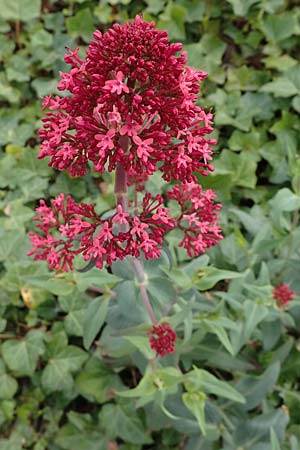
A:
{"points": [[132, 101], [162, 339], [68, 229], [198, 219], [282, 294]]}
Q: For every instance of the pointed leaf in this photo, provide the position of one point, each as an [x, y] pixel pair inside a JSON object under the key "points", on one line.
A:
{"points": [[195, 402], [94, 319]]}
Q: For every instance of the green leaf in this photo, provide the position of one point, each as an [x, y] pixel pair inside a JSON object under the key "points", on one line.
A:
{"points": [[74, 322], [70, 437], [241, 168], [81, 24], [202, 380], [280, 27], [94, 318], [161, 380], [142, 344], [8, 386], [57, 286], [275, 445], [21, 356], [195, 402], [145, 388], [254, 313], [57, 374], [255, 389], [95, 278], [281, 87], [172, 19], [23, 10], [285, 201], [208, 277], [215, 328], [97, 382], [122, 422], [241, 7], [217, 358], [296, 103]]}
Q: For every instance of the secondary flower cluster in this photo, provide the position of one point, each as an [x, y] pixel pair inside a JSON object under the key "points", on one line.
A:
{"points": [[69, 229], [162, 339], [283, 295], [131, 87], [198, 218]]}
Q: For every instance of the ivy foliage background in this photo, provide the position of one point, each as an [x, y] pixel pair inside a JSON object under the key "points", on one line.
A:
{"points": [[74, 367]]}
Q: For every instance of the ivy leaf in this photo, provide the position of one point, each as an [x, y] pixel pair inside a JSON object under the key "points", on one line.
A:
{"points": [[70, 437], [8, 386], [23, 10], [281, 87], [96, 381], [21, 356], [57, 374], [241, 7], [81, 24], [122, 422], [279, 27]]}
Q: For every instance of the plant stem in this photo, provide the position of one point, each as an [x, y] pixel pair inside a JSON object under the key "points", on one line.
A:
{"points": [[121, 196], [17, 33], [121, 187]]}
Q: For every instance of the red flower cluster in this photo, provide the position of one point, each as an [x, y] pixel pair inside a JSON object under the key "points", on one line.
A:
{"points": [[163, 339], [132, 102], [132, 106], [198, 218], [282, 294], [69, 229]]}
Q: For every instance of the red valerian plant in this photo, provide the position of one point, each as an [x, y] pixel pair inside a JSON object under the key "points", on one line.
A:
{"points": [[131, 109], [283, 295]]}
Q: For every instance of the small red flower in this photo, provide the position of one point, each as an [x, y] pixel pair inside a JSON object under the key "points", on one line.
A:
{"points": [[163, 339], [282, 294]]}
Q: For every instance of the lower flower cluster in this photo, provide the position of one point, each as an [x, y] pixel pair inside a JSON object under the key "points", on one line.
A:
{"points": [[68, 228]]}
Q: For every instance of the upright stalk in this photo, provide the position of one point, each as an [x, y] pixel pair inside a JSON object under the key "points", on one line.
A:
{"points": [[121, 196], [121, 189]]}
